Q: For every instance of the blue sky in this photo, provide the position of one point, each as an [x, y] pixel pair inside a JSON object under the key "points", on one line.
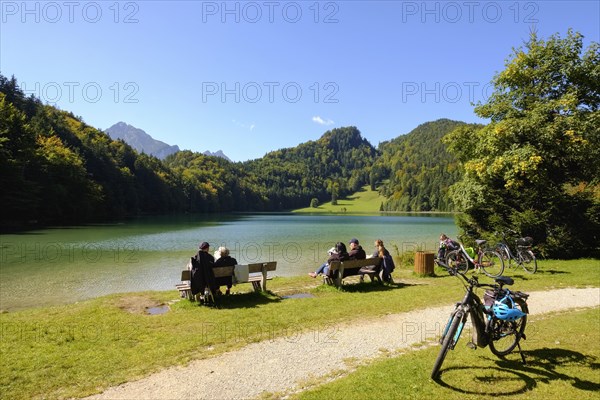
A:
{"points": [[252, 77]]}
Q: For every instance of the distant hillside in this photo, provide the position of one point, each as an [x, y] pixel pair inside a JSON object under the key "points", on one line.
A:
{"points": [[418, 169], [140, 140]]}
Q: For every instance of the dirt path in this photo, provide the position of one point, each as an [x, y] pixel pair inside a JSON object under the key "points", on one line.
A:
{"points": [[282, 365]]}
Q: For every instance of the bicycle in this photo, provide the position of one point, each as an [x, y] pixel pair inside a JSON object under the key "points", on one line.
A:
{"points": [[498, 322], [523, 257], [487, 260]]}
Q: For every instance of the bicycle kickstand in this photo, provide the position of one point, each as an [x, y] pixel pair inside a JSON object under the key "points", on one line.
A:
{"points": [[521, 353]]}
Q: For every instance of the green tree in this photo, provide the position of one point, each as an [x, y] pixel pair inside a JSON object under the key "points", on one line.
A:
{"points": [[314, 202], [535, 167]]}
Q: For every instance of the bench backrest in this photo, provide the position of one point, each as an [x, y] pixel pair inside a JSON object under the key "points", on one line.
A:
{"points": [[223, 271], [350, 264], [252, 268], [271, 266]]}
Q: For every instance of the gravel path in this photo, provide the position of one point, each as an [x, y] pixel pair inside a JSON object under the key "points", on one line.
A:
{"points": [[282, 365]]}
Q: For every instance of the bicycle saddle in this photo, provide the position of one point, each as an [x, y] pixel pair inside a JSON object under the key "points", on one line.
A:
{"points": [[480, 242], [505, 280]]}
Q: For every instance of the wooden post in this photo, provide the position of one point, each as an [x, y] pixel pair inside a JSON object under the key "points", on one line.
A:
{"points": [[264, 278], [423, 263], [338, 281]]}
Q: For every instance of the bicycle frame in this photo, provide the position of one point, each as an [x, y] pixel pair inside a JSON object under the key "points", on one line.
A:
{"points": [[472, 306], [506, 248], [468, 257]]}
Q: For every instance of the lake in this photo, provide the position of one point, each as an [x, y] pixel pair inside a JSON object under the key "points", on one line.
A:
{"points": [[67, 264]]}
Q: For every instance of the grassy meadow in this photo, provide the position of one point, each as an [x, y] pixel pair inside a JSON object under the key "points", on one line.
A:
{"points": [[78, 349], [363, 201]]}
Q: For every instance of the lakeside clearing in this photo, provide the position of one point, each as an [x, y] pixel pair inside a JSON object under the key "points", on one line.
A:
{"points": [[364, 201], [80, 349]]}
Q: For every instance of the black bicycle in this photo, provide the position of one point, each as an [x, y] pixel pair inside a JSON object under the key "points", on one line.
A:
{"points": [[523, 255], [487, 260], [498, 322]]}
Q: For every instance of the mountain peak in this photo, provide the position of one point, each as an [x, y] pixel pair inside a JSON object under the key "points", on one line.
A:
{"points": [[218, 153], [140, 140]]}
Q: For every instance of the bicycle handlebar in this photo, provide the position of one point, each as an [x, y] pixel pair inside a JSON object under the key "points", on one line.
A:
{"points": [[473, 281]]}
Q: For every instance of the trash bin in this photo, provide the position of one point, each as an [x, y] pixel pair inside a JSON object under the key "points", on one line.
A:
{"points": [[424, 263]]}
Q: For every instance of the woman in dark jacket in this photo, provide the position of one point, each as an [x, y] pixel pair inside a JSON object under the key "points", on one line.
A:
{"points": [[340, 254], [224, 260], [387, 261]]}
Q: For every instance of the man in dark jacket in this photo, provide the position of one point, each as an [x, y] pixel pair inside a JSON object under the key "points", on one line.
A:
{"points": [[202, 273], [356, 251]]}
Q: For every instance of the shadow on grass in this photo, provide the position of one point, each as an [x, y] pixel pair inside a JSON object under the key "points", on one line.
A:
{"points": [[365, 287], [543, 364], [551, 272], [511, 377], [498, 381], [246, 300]]}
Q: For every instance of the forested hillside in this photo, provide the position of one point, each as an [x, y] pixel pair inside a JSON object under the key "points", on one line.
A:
{"points": [[56, 169], [335, 165], [417, 170]]}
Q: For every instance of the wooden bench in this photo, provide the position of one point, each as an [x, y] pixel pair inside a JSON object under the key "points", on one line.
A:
{"points": [[369, 266], [185, 287], [257, 275]]}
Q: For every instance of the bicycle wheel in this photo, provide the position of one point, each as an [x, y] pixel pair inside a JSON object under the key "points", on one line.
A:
{"points": [[447, 341], [505, 335], [456, 261], [528, 261], [491, 263]]}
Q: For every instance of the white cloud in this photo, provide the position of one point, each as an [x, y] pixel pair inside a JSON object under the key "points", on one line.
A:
{"points": [[244, 125], [322, 121]]}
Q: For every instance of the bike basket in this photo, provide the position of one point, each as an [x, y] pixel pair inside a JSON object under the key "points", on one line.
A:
{"points": [[525, 241], [488, 298]]}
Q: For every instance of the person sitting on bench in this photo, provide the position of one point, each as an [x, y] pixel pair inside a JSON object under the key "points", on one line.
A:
{"points": [[224, 260], [202, 274], [356, 250], [338, 253]]}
